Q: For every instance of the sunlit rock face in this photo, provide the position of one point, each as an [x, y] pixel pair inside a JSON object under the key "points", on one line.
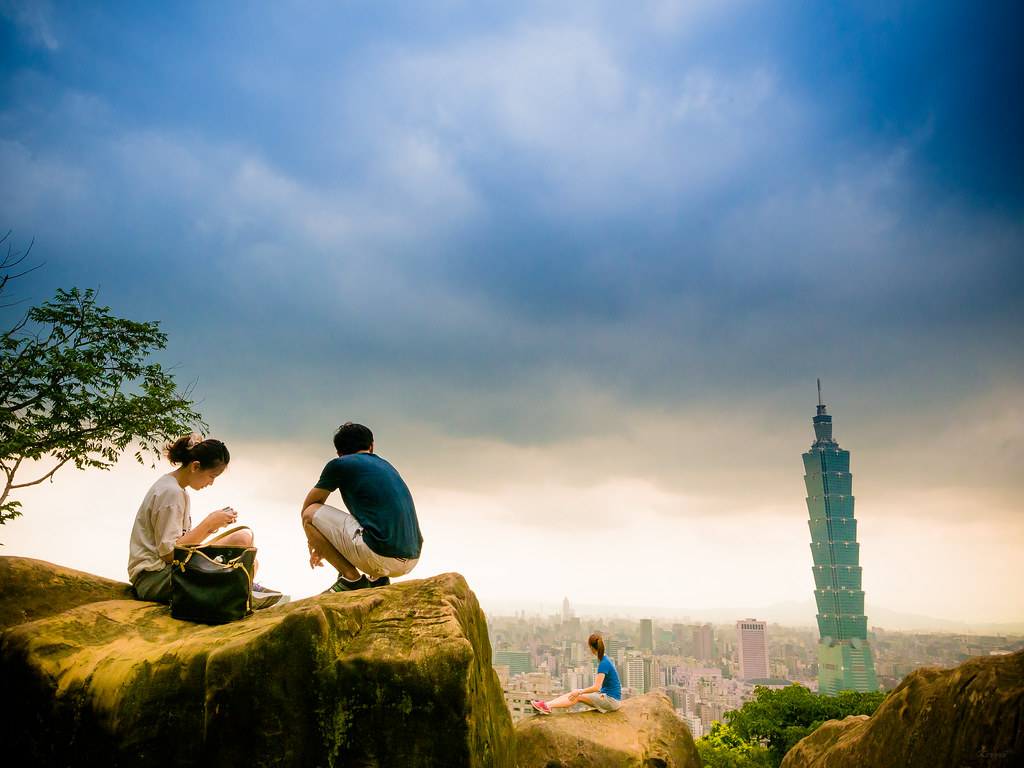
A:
{"points": [[34, 589], [644, 732], [972, 715], [397, 675]]}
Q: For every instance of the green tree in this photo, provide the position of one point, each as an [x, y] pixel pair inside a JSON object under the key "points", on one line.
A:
{"points": [[76, 387], [723, 747], [781, 718]]}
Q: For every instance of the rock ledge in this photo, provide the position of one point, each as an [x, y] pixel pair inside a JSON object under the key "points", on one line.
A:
{"points": [[972, 715], [644, 733], [398, 675]]}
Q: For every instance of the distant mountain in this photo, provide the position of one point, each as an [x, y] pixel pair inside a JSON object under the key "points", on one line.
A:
{"points": [[797, 613], [890, 619]]}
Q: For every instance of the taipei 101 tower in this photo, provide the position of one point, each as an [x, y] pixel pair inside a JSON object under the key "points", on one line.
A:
{"points": [[844, 655]]}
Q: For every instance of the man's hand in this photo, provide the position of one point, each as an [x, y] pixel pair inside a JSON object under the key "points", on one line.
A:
{"points": [[316, 560]]}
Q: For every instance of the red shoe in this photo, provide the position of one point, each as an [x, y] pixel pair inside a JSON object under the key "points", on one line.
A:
{"points": [[542, 707]]}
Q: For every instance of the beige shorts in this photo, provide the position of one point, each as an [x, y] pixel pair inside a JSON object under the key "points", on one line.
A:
{"points": [[345, 533], [602, 702]]}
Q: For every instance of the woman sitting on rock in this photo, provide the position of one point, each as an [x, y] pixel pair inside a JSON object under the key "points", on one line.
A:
{"points": [[604, 695], [164, 520]]}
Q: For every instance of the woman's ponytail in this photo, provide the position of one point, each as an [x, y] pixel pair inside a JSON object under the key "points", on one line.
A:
{"points": [[209, 453], [597, 643]]}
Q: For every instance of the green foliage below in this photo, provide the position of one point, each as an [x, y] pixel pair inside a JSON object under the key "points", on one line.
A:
{"points": [[76, 387], [777, 719], [724, 748]]}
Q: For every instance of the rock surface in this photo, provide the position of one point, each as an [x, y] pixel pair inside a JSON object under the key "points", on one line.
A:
{"points": [[644, 733], [972, 715], [397, 675], [34, 589]]}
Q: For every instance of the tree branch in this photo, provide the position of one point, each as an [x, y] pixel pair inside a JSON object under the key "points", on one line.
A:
{"points": [[47, 476], [13, 259], [10, 478]]}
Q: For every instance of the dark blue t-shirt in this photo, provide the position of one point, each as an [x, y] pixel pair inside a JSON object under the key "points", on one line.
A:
{"points": [[610, 685], [379, 499]]}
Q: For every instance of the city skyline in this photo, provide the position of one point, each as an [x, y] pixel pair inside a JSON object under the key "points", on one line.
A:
{"points": [[704, 674], [577, 265], [791, 613]]}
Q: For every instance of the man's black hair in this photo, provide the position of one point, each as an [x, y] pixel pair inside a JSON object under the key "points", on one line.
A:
{"points": [[352, 438]]}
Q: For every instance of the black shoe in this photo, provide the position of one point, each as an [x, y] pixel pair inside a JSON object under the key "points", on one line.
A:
{"points": [[344, 585], [383, 581]]}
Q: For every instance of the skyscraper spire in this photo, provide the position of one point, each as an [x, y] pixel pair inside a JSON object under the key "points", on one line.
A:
{"points": [[822, 425], [844, 655]]}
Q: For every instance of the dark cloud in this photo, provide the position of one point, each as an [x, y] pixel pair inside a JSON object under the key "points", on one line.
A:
{"points": [[935, 76], [473, 217]]}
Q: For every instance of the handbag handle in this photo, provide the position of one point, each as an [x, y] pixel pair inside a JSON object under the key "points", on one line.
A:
{"points": [[229, 532], [193, 548]]}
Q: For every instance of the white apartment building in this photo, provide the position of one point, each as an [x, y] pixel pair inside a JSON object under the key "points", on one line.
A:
{"points": [[753, 649], [523, 688], [693, 722], [631, 671], [518, 703], [579, 677]]}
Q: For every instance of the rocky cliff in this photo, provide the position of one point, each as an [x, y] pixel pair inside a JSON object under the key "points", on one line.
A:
{"points": [[644, 733], [398, 675], [972, 715]]}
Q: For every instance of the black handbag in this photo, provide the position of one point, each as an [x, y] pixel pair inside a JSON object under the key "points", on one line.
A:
{"points": [[211, 583]]}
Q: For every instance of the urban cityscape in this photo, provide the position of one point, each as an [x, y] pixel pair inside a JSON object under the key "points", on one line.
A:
{"points": [[706, 669], [710, 669]]}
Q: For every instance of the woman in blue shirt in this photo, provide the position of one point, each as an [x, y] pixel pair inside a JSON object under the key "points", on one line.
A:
{"points": [[604, 695]]}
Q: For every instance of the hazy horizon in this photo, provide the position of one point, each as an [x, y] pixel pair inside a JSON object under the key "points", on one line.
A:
{"points": [[789, 613]]}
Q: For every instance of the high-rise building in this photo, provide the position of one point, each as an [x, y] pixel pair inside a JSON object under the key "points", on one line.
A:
{"points": [[656, 679], [566, 611], [646, 634], [631, 670], [753, 649], [845, 662], [612, 646], [573, 630], [703, 641], [679, 634], [518, 662]]}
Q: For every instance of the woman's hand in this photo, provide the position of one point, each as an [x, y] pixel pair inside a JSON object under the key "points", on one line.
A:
{"points": [[220, 518], [574, 696], [212, 523]]}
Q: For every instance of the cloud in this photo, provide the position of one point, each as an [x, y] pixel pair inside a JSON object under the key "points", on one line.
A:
{"points": [[561, 113], [633, 225], [34, 19]]}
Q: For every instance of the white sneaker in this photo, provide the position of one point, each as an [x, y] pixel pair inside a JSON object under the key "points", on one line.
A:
{"points": [[263, 597]]}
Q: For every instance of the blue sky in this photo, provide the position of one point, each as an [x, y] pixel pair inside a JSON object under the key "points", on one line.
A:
{"points": [[578, 265]]}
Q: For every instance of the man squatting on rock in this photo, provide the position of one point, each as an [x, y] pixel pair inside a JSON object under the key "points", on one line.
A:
{"points": [[379, 536]]}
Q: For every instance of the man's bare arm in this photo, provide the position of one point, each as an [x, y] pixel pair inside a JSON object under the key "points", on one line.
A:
{"points": [[315, 496]]}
